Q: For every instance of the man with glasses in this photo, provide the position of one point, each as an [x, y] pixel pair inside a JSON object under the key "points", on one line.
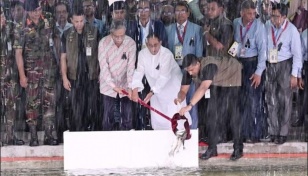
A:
{"points": [[117, 57], [283, 67], [167, 15], [185, 37], [79, 69], [89, 12], [250, 33], [145, 26], [37, 70], [157, 64]]}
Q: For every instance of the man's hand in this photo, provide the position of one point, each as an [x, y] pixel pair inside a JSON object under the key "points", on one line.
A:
{"points": [[135, 96], [184, 110], [148, 97], [23, 80], [177, 101], [118, 90], [300, 83], [66, 84], [293, 82], [256, 80], [129, 91]]}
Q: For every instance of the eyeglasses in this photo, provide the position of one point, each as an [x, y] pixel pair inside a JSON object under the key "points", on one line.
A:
{"points": [[275, 16], [144, 10], [167, 13], [180, 12], [118, 38], [87, 6]]}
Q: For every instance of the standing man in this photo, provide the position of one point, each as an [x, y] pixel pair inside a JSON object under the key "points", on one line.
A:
{"points": [[250, 33], [117, 57], [164, 75], [89, 12], [303, 85], [37, 69], [185, 37], [61, 25], [79, 68], [10, 89], [283, 67], [220, 81]]}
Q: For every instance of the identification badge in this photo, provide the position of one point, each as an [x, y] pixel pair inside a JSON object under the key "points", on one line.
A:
{"points": [[243, 51], [50, 42], [273, 56], [207, 94], [178, 52], [89, 51], [233, 49], [9, 46]]}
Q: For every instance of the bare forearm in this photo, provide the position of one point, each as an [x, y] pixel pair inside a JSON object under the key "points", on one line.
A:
{"points": [[20, 62], [63, 66]]}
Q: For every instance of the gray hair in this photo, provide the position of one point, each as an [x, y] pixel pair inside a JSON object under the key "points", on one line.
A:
{"points": [[248, 4], [117, 24]]}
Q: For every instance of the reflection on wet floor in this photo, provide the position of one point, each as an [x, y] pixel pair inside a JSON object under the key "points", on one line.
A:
{"points": [[150, 172]]}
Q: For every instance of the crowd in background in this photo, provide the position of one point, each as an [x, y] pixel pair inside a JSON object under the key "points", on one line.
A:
{"points": [[65, 63]]}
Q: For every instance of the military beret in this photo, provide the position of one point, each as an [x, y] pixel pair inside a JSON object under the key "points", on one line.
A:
{"points": [[31, 5], [117, 5]]}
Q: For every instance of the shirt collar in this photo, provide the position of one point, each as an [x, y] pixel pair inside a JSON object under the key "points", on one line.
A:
{"points": [[184, 24]]}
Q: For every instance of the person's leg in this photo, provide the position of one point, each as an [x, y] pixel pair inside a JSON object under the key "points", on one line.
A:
{"points": [[126, 114], [108, 117]]}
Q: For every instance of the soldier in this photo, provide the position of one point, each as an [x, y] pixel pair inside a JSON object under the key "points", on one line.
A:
{"points": [[37, 69], [8, 82]]}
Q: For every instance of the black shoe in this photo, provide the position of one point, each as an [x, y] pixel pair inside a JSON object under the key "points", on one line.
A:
{"points": [[297, 123], [208, 154], [281, 140], [15, 141], [203, 140], [237, 154], [34, 142], [50, 141]]}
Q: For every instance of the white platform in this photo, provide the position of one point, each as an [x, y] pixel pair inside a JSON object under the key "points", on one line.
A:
{"points": [[127, 149]]}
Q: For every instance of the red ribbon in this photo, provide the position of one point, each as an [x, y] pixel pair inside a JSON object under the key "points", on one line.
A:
{"points": [[173, 120], [273, 34]]}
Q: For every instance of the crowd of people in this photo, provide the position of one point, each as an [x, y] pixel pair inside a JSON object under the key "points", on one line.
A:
{"points": [[231, 67]]}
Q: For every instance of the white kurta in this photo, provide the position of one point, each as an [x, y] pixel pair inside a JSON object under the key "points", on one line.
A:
{"points": [[164, 77]]}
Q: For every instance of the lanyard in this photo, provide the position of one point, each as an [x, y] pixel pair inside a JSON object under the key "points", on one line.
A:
{"points": [[273, 34], [181, 38], [241, 31]]}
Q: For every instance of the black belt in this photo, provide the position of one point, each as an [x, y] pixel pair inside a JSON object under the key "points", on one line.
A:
{"points": [[254, 58]]}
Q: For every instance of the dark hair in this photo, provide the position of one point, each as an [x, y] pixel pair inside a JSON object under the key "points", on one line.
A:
{"points": [[248, 4], [77, 11], [63, 3], [153, 35], [282, 8], [184, 4], [190, 59], [17, 3], [220, 3]]}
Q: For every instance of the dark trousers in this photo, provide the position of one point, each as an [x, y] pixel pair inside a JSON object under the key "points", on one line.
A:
{"points": [[82, 108], [109, 119], [222, 109], [278, 95], [303, 94], [251, 102]]}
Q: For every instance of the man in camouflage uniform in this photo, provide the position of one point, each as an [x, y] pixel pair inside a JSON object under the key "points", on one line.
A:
{"points": [[37, 69], [8, 82]]}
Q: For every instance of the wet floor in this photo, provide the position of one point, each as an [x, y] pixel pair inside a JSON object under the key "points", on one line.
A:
{"points": [[157, 172]]}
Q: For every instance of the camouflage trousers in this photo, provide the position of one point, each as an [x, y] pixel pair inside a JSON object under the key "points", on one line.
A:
{"points": [[40, 92], [10, 90]]}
